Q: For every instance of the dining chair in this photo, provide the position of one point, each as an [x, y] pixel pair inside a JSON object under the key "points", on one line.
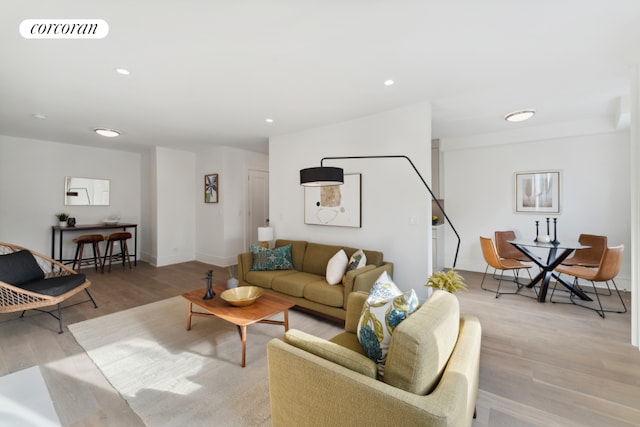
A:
{"points": [[505, 249], [608, 268], [492, 259], [589, 257]]}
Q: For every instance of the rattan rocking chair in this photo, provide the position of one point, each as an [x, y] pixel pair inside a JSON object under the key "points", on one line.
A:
{"points": [[23, 288]]}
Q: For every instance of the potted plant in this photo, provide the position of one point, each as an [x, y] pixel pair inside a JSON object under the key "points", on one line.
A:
{"points": [[449, 281], [62, 217]]}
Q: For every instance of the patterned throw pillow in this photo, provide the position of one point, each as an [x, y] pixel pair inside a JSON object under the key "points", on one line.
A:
{"points": [[336, 267], [357, 260], [385, 308], [271, 259]]}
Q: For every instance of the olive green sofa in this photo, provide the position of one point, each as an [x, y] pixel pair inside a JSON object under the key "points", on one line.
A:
{"points": [[306, 286], [430, 375]]}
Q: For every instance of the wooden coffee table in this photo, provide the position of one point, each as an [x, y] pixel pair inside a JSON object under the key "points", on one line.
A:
{"points": [[258, 312]]}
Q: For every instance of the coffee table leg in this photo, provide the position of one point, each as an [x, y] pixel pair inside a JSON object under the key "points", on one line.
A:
{"points": [[243, 337], [190, 310], [286, 320]]}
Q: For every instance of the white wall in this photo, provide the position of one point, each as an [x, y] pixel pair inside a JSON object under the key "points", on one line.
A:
{"points": [[32, 188], [396, 208], [175, 206], [595, 179], [222, 226]]}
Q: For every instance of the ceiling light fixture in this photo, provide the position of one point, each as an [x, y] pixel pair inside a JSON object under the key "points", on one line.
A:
{"points": [[389, 82], [520, 115], [123, 71], [109, 133], [268, 120]]}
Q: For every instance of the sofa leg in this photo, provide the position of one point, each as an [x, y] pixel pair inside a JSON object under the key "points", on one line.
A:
{"points": [[475, 412]]}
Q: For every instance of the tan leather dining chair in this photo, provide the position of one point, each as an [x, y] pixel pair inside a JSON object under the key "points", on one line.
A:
{"points": [[608, 268], [492, 259], [589, 257], [505, 249]]}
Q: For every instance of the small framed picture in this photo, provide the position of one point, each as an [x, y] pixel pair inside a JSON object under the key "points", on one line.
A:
{"points": [[211, 188], [538, 192]]}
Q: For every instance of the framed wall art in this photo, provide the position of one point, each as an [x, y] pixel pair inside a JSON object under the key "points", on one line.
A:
{"points": [[211, 188], [337, 205], [537, 192]]}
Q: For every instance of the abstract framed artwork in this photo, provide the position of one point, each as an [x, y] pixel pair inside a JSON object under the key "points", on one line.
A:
{"points": [[337, 205], [211, 188], [537, 192]]}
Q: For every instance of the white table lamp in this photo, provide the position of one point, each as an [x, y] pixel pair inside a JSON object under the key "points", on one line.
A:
{"points": [[265, 236]]}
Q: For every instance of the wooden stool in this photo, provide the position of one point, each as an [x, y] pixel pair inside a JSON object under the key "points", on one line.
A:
{"points": [[121, 237], [80, 241]]}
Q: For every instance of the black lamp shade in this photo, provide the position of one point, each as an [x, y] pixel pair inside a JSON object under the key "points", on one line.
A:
{"points": [[321, 176]]}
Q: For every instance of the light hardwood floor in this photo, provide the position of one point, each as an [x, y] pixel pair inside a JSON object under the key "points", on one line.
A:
{"points": [[541, 364]]}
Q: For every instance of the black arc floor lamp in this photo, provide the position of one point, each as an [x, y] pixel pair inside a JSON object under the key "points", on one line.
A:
{"points": [[326, 175]]}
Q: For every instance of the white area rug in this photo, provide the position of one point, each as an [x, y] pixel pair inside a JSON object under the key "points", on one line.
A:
{"points": [[174, 377], [25, 400]]}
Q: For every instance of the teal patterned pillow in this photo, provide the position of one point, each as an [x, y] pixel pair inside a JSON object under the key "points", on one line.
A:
{"points": [[385, 308], [271, 259]]}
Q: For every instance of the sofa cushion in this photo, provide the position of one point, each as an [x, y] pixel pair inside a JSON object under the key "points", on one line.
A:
{"points": [[421, 345], [271, 259], [324, 293], [55, 286], [298, 248], [317, 256], [294, 284], [336, 267], [331, 351], [19, 267], [385, 308], [265, 278]]}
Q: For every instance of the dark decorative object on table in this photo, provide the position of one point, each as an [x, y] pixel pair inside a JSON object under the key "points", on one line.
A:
{"points": [[537, 232], [71, 222], [210, 294], [548, 226], [555, 231]]}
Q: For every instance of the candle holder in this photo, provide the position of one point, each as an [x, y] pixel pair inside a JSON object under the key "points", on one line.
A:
{"points": [[209, 294], [555, 231], [537, 231], [548, 226]]}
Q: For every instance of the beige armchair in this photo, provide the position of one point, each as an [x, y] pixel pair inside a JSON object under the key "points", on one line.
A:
{"points": [[431, 372]]}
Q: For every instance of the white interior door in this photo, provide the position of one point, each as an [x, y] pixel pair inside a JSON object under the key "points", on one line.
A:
{"points": [[258, 212]]}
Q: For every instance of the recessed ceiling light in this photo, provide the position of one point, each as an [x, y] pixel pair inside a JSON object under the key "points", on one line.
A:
{"points": [[123, 71], [268, 120], [39, 116], [389, 82], [520, 115], [109, 133]]}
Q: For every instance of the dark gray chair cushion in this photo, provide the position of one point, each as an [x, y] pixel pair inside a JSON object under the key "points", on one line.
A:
{"points": [[55, 286], [20, 267]]}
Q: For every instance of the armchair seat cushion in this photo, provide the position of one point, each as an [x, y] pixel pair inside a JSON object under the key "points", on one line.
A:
{"points": [[55, 286], [333, 352]]}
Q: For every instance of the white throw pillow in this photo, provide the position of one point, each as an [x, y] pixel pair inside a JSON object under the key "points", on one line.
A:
{"points": [[336, 267]]}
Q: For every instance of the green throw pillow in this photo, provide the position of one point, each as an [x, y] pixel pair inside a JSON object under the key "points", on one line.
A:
{"points": [[383, 311], [271, 259]]}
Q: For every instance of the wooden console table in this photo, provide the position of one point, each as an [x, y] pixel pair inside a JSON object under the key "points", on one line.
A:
{"points": [[56, 229]]}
